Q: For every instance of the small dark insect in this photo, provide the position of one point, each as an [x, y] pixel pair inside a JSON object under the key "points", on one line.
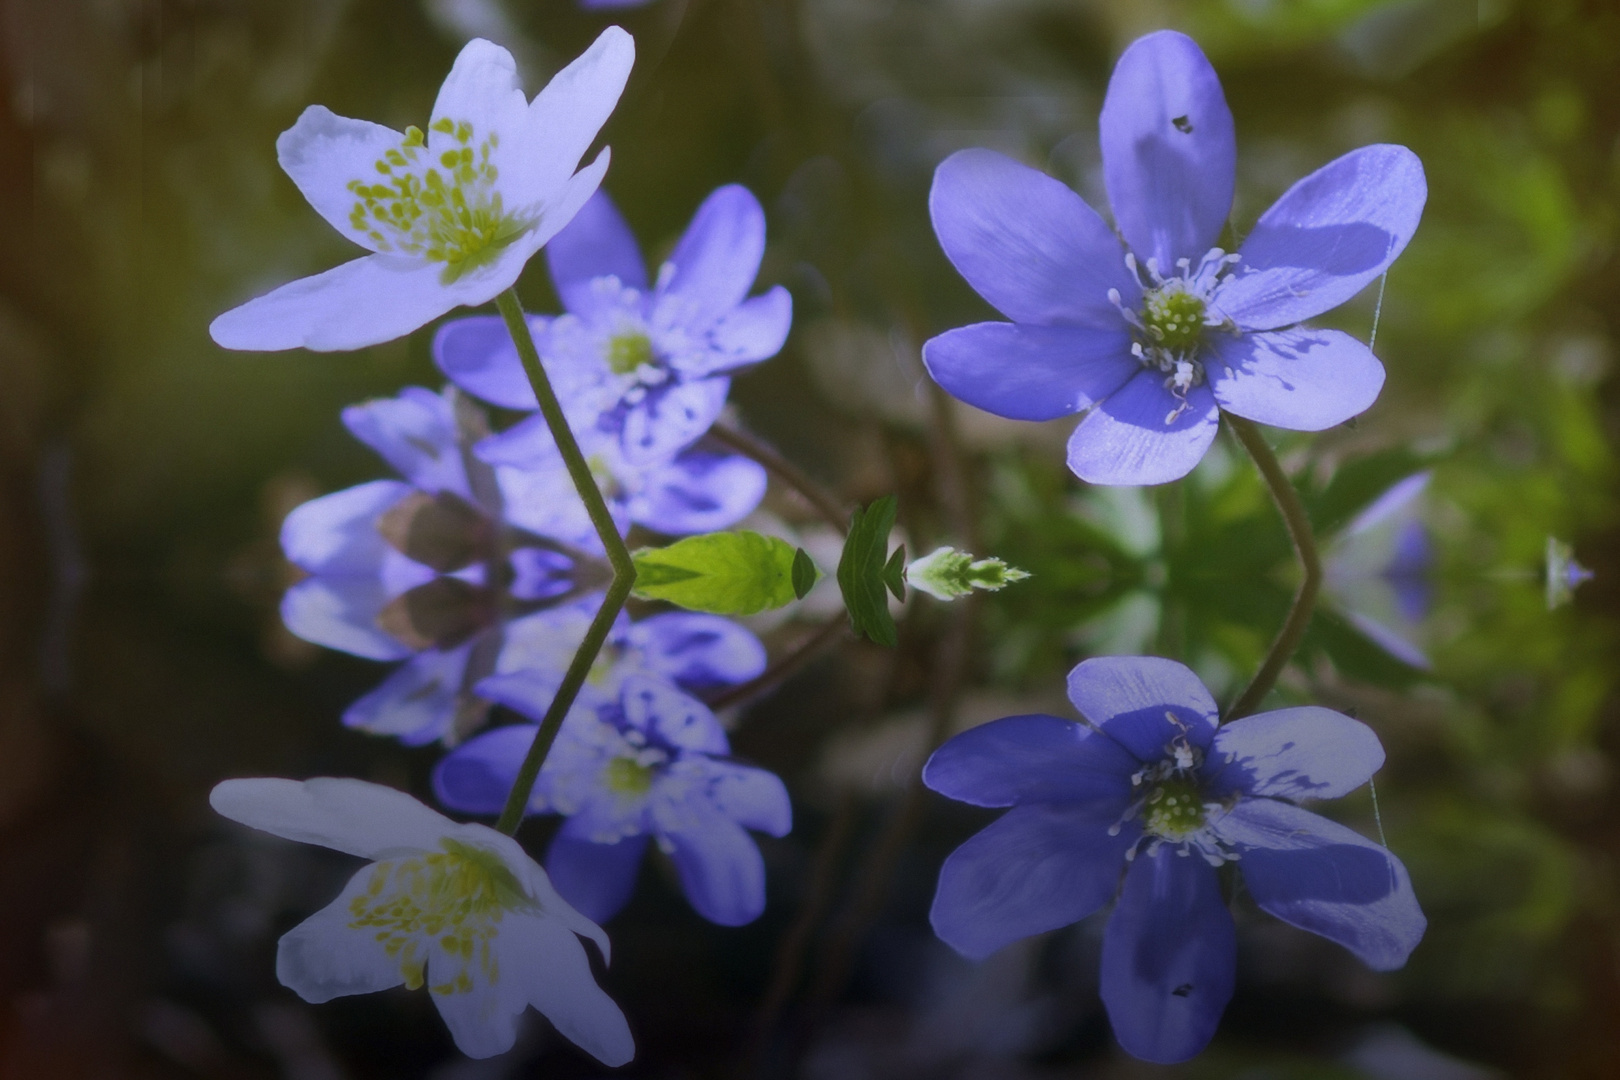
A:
{"points": [[1183, 125], [1183, 990]]}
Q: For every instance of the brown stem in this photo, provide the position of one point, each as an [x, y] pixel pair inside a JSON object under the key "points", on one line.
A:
{"points": [[825, 503]]}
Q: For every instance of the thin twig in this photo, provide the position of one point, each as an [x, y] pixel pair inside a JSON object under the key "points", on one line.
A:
{"points": [[624, 570], [826, 504], [801, 655], [1299, 531]]}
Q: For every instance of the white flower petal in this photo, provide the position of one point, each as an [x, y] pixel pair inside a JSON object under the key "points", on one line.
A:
{"points": [[324, 957], [482, 1019], [558, 979], [353, 816], [483, 90], [566, 116], [324, 152]]}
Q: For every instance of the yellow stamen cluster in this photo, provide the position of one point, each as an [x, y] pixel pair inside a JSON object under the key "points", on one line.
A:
{"points": [[627, 352], [448, 211], [1174, 809], [1173, 318], [627, 776], [456, 897]]}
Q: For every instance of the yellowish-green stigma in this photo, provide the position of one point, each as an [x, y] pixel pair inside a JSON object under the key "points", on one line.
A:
{"points": [[627, 776], [1173, 318], [456, 897], [1174, 809], [443, 209], [629, 351]]}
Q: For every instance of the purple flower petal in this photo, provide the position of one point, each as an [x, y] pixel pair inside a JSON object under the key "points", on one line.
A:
{"points": [[1028, 244], [477, 354], [1036, 868], [698, 492], [1143, 702], [597, 878], [1027, 372], [1303, 380], [1126, 441], [1327, 238], [476, 777], [1169, 156], [667, 420], [540, 574], [1032, 758], [416, 434], [337, 534], [754, 330], [1301, 753], [1322, 877], [341, 613], [1169, 957], [678, 719], [715, 264], [719, 864], [753, 798], [597, 243], [697, 651], [417, 703]]}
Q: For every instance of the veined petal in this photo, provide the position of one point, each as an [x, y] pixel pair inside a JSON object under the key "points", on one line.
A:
{"points": [[341, 613], [1169, 958], [697, 651], [337, 534], [1302, 753], [352, 816], [715, 263], [1301, 379], [416, 434], [1326, 239], [721, 870], [678, 719], [698, 492], [551, 965], [597, 878], [1320, 876], [1126, 441], [417, 703], [668, 420], [565, 117], [1026, 243], [324, 152], [596, 243], [324, 957], [754, 330], [1036, 868], [1169, 154], [1032, 758], [1028, 372], [753, 798], [476, 353], [367, 301], [1143, 702]]}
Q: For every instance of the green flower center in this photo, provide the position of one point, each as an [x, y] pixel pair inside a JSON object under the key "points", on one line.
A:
{"points": [[457, 897], [629, 351], [627, 776], [445, 210], [1173, 318], [1174, 809]]}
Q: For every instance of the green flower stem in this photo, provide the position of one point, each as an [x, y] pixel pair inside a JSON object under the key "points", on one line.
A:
{"points": [[618, 591], [1299, 530]]}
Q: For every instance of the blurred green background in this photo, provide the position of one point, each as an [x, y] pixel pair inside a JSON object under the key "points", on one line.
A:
{"points": [[146, 472]]}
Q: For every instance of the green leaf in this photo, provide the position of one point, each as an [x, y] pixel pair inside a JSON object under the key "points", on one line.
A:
{"points": [[894, 574], [860, 571], [725, 573], [805, 574]]}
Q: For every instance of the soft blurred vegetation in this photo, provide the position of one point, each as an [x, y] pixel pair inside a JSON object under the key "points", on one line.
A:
{"points": [[146, 472]]}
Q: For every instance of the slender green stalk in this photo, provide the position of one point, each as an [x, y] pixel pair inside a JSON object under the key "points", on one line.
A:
{"points": [[624, 571], [1299, 531], [827, 505]]}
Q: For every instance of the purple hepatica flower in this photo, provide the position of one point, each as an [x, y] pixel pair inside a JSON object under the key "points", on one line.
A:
{"points": [[1378, 568], [647, 765], [650, 365], [1153, 340], [1156, 788]]}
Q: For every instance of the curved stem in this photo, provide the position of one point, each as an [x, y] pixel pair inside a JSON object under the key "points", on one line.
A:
{"points": [[1299, 531], [825, 503], [624, 571]]}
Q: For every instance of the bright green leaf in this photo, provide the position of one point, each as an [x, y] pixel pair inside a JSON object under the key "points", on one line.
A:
{"points": [[725, 573]]}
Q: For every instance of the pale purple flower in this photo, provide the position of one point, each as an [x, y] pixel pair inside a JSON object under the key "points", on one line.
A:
{"points": [[1153, 338]]}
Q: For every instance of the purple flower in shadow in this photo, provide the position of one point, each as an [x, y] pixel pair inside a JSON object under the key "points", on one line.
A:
{"points": [[1153, 786], [1151, 340], [647, 763], [1377, 570], [648, 364]]}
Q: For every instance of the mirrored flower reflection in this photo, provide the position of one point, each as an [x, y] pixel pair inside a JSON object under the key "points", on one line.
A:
{"points": [[459, 909], [649, 364], [1377, 570], [649, 765], [1153, 339], [454, 568], [1156, 788], [451, 215]]}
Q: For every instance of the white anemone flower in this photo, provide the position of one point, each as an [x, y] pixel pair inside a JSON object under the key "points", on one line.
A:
{"points": [[450, 216], [460, 909]]}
